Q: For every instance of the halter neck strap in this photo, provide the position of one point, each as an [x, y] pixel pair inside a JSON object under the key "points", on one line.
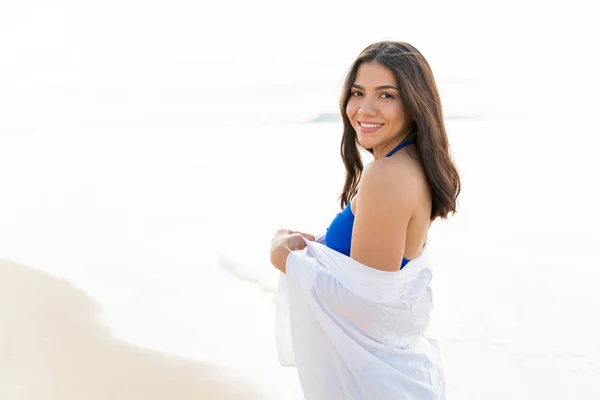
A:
{"points": [[401, 145]]}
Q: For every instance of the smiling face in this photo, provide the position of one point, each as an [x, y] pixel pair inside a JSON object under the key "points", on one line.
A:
{"points": [[376, 110]]}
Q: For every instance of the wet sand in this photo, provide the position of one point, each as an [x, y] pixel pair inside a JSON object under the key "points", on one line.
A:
{"points": [[52, 346]]}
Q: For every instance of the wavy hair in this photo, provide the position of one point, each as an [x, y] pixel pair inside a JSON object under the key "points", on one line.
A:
{"points": [[420, 96]]}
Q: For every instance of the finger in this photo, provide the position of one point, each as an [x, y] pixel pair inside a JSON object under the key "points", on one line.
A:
{"points": [[306, 235], [296, 241], [281, 232], [309, 236]]}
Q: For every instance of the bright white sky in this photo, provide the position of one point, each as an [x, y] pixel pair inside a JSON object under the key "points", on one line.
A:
{"points": [[72, 40], [68, 60]]}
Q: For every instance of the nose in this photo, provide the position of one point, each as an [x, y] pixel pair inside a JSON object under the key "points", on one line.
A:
{"points": [[367, 107]]}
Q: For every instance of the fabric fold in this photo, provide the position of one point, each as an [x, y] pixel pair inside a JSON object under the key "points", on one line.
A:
{"points": [[357, 332]]}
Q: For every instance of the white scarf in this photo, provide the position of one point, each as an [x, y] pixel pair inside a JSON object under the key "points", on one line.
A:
{"points": [[355, 332]]}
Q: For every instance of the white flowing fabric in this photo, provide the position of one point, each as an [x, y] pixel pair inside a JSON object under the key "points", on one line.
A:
{"points": [[355, 332]]}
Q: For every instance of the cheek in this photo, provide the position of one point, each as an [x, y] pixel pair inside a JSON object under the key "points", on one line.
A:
{"points": [[351, 109], [392, 113]]}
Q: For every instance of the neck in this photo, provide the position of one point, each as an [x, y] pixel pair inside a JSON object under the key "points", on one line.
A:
{"points": [[381, 152]]}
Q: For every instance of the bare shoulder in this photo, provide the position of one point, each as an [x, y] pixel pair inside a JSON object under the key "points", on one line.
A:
{"points": [[401, 178], [391, 196]]}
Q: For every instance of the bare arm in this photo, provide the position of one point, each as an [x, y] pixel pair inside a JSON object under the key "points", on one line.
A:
{"points": [[383, 211]]}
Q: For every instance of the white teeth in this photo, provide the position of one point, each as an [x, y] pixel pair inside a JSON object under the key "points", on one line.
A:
{"points": [[370, 125]]}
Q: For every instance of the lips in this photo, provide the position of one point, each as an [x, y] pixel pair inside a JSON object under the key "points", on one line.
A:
{"points": [[365, 127]]}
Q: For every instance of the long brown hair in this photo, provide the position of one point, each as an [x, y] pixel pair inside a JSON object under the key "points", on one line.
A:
{"points": [[420, 96]]}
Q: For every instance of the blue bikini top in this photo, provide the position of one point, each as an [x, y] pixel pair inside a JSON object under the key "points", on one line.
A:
{"points": [[339, 234]]}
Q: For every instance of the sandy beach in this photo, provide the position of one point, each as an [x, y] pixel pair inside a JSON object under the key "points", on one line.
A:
{"points": [[52, 346]]}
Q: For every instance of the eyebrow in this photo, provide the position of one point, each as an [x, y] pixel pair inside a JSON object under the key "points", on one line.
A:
{"points": [[377, 88]]}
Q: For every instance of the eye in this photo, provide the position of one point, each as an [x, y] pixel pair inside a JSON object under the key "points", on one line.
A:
{"points": [[355, 93], [387, 94]]}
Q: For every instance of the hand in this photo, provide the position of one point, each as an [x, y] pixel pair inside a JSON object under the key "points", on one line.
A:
{"points": [[283, 232], [284, 242]]}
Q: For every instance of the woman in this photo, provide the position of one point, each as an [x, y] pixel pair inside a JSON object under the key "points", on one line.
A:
{"points": [[359, 297]]}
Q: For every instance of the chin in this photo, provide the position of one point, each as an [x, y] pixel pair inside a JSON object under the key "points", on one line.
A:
{"points": [[366, 142]]}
